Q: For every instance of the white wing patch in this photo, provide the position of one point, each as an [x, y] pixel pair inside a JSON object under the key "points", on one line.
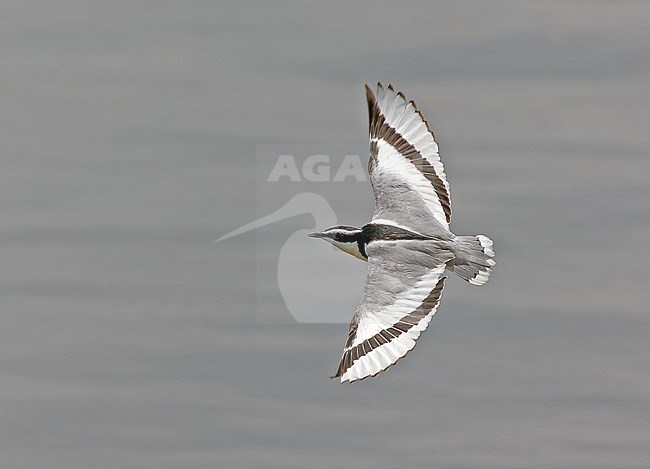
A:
{"points": [[391, 160], [408, 122], [403, 139], [381, 335], [404, 303]]}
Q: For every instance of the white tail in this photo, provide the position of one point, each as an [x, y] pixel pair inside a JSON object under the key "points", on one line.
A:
{"points": [[474, 258]]}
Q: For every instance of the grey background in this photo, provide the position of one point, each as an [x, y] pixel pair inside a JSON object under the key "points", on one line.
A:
{"points": [[334, 281], [128, 133]]}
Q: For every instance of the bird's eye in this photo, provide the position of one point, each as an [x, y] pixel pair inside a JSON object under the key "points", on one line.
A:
{"points": [[338, 236]]}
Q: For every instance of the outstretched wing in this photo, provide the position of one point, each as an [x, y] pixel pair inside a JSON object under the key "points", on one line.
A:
{"points": [[403, 287], [406, 173]]}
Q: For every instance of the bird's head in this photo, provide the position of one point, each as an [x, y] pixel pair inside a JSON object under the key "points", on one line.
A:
{"points": [[343, 237]]}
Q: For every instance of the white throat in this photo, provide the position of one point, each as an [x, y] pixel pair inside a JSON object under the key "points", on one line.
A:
{"points": [[350, 248]]}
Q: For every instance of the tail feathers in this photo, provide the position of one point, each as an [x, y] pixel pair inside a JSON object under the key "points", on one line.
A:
{"points": [[474, 258]]}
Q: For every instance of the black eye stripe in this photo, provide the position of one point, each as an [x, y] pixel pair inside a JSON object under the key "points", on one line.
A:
{"points": [[344, 237], [343, 234]]}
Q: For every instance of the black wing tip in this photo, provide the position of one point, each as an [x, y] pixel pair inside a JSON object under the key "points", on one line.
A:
{"points": [[390, 87], [370, 96]]}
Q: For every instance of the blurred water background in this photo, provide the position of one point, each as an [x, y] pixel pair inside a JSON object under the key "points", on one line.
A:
{"points": [[128, 144]]}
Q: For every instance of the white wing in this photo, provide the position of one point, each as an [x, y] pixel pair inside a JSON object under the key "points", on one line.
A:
{"points": [[406, 173], [403, 287]]}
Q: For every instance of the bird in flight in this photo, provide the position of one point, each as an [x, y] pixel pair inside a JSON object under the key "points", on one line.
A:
{"points": [[407, 244]]}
